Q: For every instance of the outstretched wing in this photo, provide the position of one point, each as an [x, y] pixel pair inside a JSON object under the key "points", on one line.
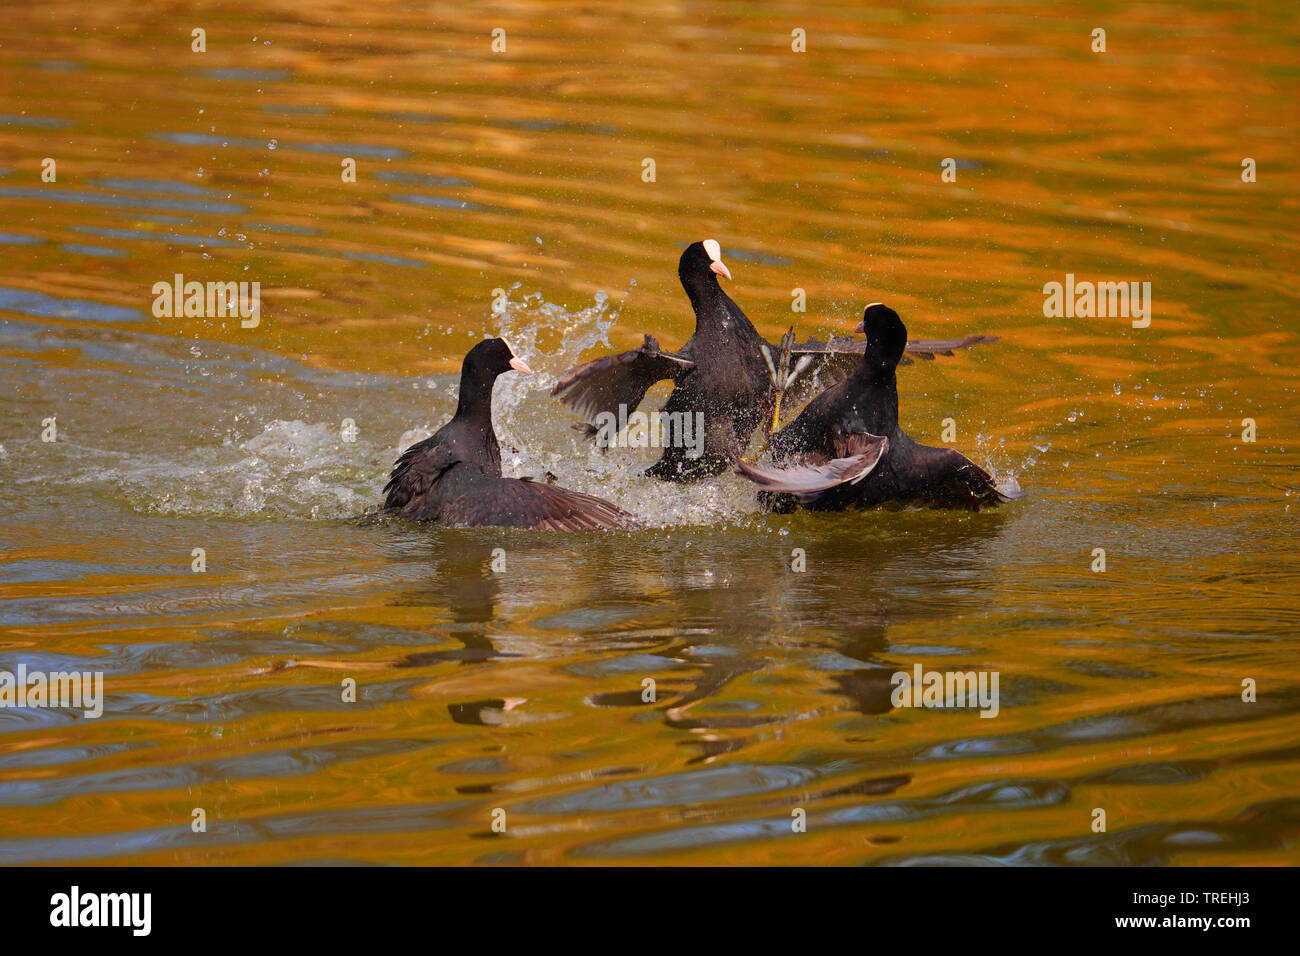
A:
{"points": [[928, 348], [823, 364], [808, 480], [830, 362], [523, 503], [603, 384]]}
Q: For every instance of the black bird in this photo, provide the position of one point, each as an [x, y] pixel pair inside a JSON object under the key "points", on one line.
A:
{"points": [[847, 450], [454, 477], [719, 374], [726, 371]]}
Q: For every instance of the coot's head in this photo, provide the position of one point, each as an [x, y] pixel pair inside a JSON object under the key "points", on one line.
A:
{"points": [[701, 258], [491, 357], [886, 334]]}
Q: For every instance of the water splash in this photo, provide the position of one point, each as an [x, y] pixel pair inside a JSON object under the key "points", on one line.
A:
{"points": [[994, 460], [251, 434], [537, 435], [290, 469]]}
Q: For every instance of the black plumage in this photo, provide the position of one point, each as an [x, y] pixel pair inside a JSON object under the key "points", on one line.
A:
{"points": [[826, 364], [719, 373], [726, 371], [847, 449], [453, 478]]}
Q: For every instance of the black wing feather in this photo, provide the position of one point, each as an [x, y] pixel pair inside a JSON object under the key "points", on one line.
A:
{"points": [[954, 481], [416, 471], [861, 453], [523, 503], [603, 384], [835, 359]]}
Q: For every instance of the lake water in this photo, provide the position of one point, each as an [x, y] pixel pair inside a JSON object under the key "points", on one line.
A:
{"points": [[506, 192]]}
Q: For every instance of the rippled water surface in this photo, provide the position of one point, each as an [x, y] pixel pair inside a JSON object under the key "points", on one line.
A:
{"points": [[519, 176]]}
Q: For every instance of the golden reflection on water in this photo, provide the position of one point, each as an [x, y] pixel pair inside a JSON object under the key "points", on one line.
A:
{"points": [[476, 171]]}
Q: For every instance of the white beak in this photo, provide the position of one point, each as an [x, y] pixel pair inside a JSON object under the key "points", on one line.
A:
{"points": [[720, 269], [519, 365]]}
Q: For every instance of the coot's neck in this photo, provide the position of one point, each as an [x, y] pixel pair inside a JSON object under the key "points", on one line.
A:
{"points": [[707, 299], [875, 391], [475, 401]]}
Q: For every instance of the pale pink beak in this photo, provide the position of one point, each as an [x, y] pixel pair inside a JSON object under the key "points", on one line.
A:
{"points": [[720, 269], [519, 365], [860, 327]]}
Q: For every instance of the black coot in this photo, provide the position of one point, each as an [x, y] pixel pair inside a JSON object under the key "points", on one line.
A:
{"points": [[846, 449], [454, 478], [718, 374], [726, 372]]}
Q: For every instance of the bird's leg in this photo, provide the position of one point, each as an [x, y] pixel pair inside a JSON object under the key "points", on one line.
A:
{"points": [[775, 376], [781, 377], [778, 369]]}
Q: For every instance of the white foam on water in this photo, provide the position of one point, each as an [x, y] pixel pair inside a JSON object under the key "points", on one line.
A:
{"points": [[537, 435], [196, 458], [290, 469], [993, 460]]}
